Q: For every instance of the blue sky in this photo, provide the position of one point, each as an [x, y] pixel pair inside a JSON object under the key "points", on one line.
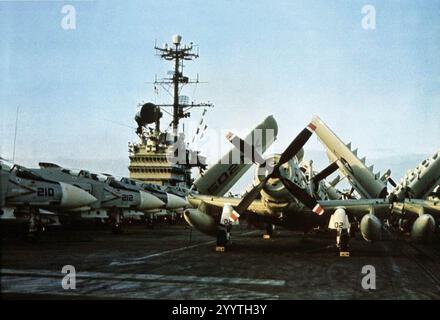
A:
{"points": [[293, 59]]}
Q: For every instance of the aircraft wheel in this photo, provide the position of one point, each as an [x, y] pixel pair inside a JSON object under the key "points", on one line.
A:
{"points": [[222, 238], [41, 228], [269, 229], [116, 228]]}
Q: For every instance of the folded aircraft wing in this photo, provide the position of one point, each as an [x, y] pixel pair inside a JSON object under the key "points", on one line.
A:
{"points": [[417, 207], [420, 182], [222, 176], [361, 177]]}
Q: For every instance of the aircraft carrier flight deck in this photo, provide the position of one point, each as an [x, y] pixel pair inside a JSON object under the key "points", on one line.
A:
{"points": [[174, 262]]}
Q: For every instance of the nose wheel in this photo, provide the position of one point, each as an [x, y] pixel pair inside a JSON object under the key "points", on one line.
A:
{"points": [[35, 225], [150, 222], [116, 224], [116, 228]]}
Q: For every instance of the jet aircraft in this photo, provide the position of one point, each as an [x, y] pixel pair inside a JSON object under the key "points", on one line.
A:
{"points": [[24, 196]]}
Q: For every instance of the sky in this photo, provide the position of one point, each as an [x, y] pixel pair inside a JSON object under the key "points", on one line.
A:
{"points": [[378, 88]]}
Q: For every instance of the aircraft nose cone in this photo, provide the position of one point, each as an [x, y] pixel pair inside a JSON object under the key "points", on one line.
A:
{"points": [[175, 202], [149, 201], [73, 197]]}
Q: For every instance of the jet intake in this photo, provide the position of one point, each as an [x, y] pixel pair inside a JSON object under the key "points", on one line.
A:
{"points": [[371, 227], [423, 228]]}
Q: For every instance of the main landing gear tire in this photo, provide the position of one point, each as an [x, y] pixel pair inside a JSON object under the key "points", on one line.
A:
{"points": [[269, 230], [222, 238], [116, 228]]}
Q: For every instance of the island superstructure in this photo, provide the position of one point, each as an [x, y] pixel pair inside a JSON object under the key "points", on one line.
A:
{"points": [[162, 157]]}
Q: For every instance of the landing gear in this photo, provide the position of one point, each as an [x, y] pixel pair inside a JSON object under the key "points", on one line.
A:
{"points": [[269, 231], [342, 240], [33, 228], [150, 222], [35, 225], [339, 222], [116, 226], [172, 220], [223, 237]]}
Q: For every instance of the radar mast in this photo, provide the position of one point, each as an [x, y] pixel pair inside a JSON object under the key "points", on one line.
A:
{"points": [[149, 159]]}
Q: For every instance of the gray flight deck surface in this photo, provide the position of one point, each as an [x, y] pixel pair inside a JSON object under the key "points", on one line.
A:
{"points": [[161, 263]]}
